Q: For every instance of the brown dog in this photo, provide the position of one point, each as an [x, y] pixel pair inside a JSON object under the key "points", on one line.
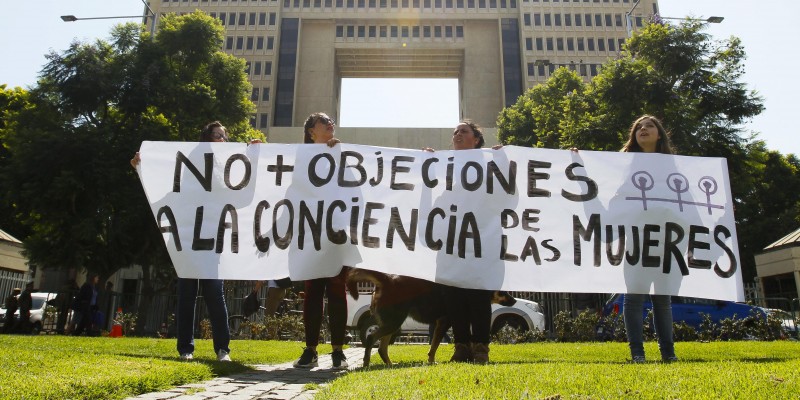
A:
{"points": [[397, 297]]}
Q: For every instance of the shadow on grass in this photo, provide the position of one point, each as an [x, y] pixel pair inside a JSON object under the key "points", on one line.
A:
{"points": [[243, 373], [416, 364], [219, 368]]}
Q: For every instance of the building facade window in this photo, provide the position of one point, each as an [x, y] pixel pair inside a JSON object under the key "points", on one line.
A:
{"points": [[512, 67], [287, 62]]}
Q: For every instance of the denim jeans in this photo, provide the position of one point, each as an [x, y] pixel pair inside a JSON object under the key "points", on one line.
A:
{"points": [[217, 311], [633, 311]]}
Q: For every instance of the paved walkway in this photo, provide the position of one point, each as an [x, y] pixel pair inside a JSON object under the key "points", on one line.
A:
{"points": [[267, 382]]}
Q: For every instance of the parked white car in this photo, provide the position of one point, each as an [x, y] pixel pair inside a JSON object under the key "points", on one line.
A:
{"points": [[38, 307], [524, 315]]}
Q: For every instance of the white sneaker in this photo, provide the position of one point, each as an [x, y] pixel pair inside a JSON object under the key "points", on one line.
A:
{"points": [[187, 357], [223, 356]]}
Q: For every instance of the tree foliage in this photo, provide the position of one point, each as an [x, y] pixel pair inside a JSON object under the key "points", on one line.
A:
{"points": [[64, 171], [692, 83]]}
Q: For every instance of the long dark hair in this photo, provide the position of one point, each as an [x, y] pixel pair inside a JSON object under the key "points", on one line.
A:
{"points": [[663, 145], [476, 130], [310, 122], [207, 134]]}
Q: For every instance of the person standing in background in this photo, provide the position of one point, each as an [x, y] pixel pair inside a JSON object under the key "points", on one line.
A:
{"points": [[12, 305], [64, 300], [87, 305]]}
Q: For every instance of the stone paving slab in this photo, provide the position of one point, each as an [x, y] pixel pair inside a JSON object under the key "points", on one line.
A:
{"points": [[268, 382]]}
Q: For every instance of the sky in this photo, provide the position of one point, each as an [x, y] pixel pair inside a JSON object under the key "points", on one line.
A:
{"points": [[32, 28]]}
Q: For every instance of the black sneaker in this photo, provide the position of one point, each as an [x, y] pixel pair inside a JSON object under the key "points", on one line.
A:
{"points": [[339, 360], [307, 360]]}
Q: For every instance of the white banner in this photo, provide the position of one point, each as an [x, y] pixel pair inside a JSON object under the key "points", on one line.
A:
{"points": [[514, 219]]}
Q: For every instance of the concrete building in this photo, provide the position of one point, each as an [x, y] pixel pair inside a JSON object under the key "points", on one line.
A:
{"points": [[298, 51], [778, 270], [13, 264]]}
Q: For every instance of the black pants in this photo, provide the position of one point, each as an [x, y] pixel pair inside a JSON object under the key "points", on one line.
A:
{"points": [[86, 321], [470, 312], [335, 289], [10, 321]]}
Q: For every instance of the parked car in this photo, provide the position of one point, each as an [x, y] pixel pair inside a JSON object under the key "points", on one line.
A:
{"points": [[691, 309], [524, 315], [39, 304]]}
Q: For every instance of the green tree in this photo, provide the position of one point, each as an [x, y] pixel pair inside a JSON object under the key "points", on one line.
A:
{"points": [[540, 115], [12, 102], [768, 207], [66, 173], [694, 84]]}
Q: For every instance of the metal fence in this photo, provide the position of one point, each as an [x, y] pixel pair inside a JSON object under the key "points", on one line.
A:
{"points": [[10, 280], [156, 313]]}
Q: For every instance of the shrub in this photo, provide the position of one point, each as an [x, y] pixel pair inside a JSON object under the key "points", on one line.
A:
{"points": [[510, 335], [770, 328], [205, 329], [731, 329], [683, 332], [588, 326], [128, 322], [283, 327], [581, 328], [708, 329], [611, 328]]}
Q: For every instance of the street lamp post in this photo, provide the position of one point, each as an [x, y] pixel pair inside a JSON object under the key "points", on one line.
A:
{"points": [[149, 14], [709, 20], [72, 18], [629, 19]]}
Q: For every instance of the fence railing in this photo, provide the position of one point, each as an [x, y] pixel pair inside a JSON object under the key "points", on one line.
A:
{"points": [[10, 280], [156, 315]]}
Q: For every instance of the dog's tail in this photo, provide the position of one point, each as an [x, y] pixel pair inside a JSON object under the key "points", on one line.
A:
{"points": [[356, 275]]}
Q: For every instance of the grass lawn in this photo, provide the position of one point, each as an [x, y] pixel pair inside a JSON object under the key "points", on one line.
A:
{"points": [[58, 367], [65, 367], [718, 370]]}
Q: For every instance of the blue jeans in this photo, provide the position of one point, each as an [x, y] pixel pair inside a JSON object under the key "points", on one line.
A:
{"points": [[217, 311], [633, 311]]}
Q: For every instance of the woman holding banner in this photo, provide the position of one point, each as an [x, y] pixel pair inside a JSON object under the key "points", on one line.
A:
{"points": [[213, 293], [647, 135], [470, 310], [319, 128]]}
